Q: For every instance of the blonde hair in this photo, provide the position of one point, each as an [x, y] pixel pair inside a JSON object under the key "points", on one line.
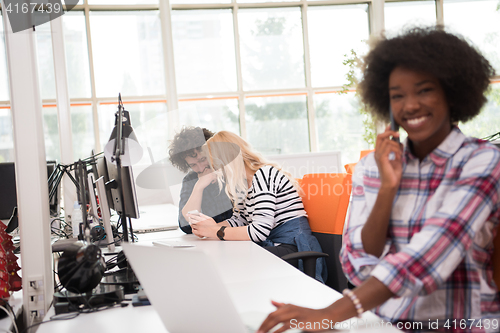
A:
{"points": [[229, 154]]}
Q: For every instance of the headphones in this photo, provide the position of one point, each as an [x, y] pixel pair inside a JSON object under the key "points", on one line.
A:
{"points": [[97, 233]]}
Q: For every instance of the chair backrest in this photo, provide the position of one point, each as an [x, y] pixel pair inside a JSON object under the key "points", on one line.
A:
{"points": [[349, 168], [363, 153], [326, 199], [300, 164]]}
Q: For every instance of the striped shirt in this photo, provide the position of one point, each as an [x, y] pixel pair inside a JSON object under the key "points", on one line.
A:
{"points": [[437, 258], [271, 201]]}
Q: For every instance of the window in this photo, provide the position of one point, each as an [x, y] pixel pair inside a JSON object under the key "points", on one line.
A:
{"points": [[6, 135], [4, 77], [405, 14], [267, 70], [214, 114], [487, 122], [339, 124], [46, 76], [272, 52], [51, 133], [127, 53], [77, 56], [329, 42], [82, 127], [204, 51], [277, 125], [120, 2], [478, 21], [149, 121]]}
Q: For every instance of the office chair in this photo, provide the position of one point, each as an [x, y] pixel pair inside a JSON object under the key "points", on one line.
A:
{"points": [[350, 166], [326, 199], [363, 153]]}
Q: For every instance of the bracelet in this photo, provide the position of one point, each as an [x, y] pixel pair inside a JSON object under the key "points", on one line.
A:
{"points": [[355, 300]]}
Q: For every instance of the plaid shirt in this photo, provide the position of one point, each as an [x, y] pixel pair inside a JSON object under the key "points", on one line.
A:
{"points": [[437, 258]]}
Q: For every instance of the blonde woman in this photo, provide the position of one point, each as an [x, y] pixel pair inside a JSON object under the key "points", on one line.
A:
{"points": [[267, 207]]}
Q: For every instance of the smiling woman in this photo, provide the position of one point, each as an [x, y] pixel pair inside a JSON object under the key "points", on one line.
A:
{"points": [[419, 106], [418, 242]]}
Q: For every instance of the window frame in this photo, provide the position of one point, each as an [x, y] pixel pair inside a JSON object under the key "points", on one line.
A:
{"points": [[171, 97]]}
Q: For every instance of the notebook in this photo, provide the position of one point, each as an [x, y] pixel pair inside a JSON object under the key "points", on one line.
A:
{"points": [[150, 221], [205, 306]]}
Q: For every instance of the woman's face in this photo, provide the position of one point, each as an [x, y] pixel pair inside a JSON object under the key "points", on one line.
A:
{"points": [[419, 106]]}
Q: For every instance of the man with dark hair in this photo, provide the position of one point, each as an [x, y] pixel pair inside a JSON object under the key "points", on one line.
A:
{"points": [[200, 190]]}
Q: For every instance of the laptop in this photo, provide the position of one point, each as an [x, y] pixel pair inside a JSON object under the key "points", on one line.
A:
{"points": [[204, 305], [149, 219]]}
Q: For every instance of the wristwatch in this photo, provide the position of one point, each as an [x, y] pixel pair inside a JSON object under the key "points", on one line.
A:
{"points": [[221, 233]]}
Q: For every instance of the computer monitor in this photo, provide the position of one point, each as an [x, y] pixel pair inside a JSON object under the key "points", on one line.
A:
{"points": [[55, 202], [8, 192], [129, 194], [109, 172], [102, 171]]}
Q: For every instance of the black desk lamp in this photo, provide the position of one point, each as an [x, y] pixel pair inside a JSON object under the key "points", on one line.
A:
{"points": [[122, 149], [130, 149]]}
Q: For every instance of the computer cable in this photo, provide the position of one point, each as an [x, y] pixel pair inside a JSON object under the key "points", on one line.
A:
{"points": [[111, 259], [59, 232], [11, 315], [63, 316], [61, 220], [58, 286], [84, 305], [116, 241]]}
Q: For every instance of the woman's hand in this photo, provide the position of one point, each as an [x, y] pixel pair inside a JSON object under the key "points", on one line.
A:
{"points": [[207, 177], [390, 170], [292, 316], [203, 225]]}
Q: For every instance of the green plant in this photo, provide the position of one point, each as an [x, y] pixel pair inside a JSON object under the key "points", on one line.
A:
{"points": [[369, 119]]}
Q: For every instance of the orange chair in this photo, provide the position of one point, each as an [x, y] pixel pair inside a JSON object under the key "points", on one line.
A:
{"points": [[350, 167], [363, 153], [326, 199]]}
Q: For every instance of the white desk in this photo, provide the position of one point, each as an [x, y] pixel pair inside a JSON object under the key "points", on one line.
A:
{"points": [[252, 275]]}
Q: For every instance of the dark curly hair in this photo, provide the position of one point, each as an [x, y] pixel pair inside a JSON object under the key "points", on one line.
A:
{"points": [[186, 143], [461, 70]]}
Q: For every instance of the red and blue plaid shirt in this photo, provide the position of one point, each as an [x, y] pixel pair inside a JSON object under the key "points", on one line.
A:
{"points": [[437, 258]]}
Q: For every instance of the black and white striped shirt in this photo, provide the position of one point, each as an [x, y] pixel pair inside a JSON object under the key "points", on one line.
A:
{"points": [[271, 201]]}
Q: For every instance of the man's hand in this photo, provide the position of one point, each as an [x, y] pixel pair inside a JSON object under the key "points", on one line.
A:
{"points": [[205, 178], [203, 225]]}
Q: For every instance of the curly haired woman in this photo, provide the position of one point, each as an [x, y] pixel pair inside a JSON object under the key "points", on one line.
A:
{"points": [[418, 242]]}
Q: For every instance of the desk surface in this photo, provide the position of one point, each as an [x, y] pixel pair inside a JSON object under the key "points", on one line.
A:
{"points": [[252, 275]]}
